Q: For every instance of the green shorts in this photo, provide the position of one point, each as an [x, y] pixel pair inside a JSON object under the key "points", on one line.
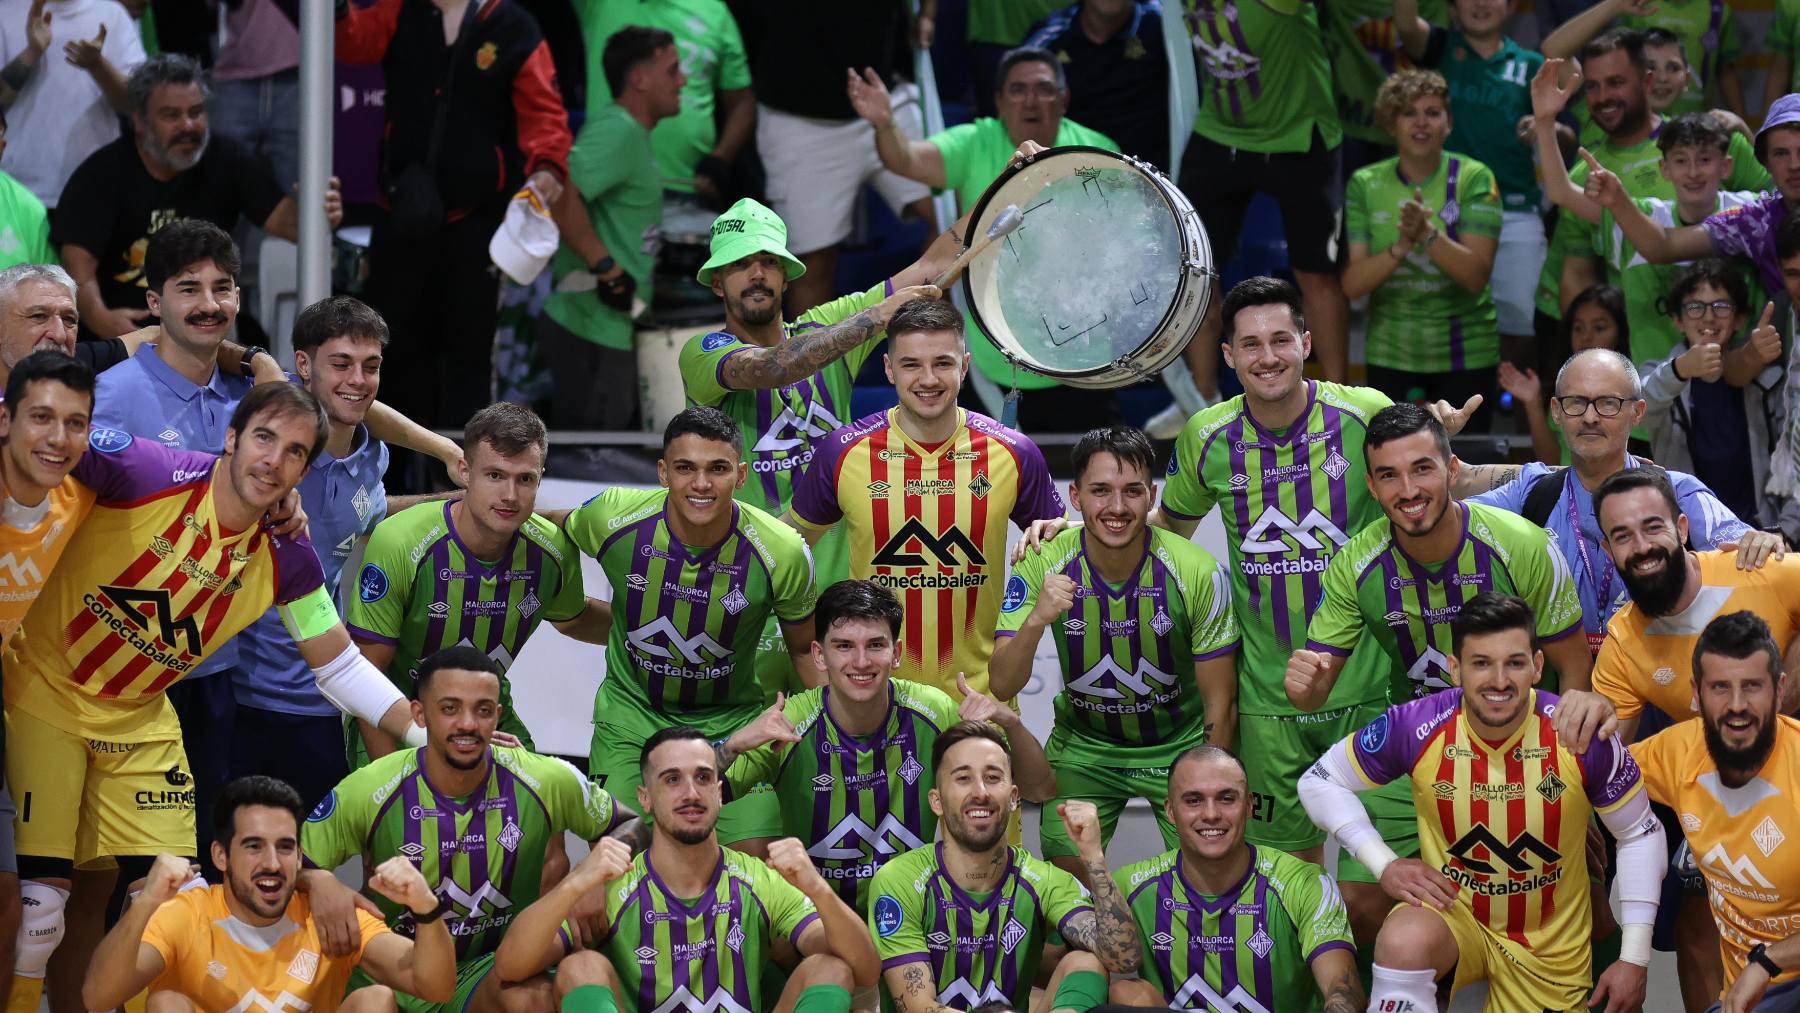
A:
{"points": [[469, 975], [1109, 788], [356, 751], [613, 762], [1276, 750]]}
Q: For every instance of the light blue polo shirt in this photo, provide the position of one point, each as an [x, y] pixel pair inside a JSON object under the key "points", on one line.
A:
{"points": [[344, 500], [1710, 524], [145, 397]]}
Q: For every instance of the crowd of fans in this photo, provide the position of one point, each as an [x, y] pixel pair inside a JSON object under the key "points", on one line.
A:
{"points": [[1412, 679]]}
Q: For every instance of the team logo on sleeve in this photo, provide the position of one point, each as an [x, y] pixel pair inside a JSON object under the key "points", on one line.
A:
{"points": [[109, 441], [324, 809], [1015, 594], [1374, 736], [371, 584], [1174, 463], [887, 916], [715, 341]]}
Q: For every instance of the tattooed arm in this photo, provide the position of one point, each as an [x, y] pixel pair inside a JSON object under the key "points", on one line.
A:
{"points": [[803, 354], [910, 985], [1335, 971], [1108, 932], [635, 831], [1475, 479]]}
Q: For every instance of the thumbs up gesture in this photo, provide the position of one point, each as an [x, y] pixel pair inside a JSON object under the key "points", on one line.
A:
{"points": [[85, 53], [1765, 339], [1602, 187]]}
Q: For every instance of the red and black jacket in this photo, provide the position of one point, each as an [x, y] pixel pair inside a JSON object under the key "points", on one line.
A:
{"points": [[506, 118]]}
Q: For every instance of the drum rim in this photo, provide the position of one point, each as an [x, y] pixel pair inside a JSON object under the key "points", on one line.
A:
{"points": [[1013, 169]]}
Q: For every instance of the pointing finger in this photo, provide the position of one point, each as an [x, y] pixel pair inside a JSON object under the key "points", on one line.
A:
{"points": [[1588, 157], [1768, 314], [962, 685]]}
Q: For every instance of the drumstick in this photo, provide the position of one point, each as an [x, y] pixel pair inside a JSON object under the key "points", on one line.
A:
{"points": [[1009, 220]]}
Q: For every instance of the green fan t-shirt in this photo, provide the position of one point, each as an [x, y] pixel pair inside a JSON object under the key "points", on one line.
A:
{"points": [[611, 167]]}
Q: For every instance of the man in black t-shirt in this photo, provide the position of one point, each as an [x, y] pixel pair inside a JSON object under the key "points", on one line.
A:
{"points": [[1118, 72], [171, 167]]}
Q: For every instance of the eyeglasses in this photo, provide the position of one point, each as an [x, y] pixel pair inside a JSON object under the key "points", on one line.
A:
{"points": [[1719, 307], [1574, 405], [1043, 89]]}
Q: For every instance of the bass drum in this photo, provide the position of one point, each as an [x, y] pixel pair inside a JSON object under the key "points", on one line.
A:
{"points": [[1107, 279]]}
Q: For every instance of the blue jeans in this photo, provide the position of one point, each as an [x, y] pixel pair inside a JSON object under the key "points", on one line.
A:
{"points": [[263, 114], [1782, 998]]}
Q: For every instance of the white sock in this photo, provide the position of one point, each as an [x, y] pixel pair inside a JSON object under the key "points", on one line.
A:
{"points": [[1396, 991]]}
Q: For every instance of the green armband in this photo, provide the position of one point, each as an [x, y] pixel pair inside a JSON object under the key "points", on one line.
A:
{"points": [[310, 616]]}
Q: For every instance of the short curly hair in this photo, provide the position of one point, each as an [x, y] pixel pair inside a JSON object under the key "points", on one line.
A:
{"points": [[1405, 88]]}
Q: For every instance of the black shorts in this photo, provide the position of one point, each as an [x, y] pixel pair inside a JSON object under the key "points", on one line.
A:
{"points": [[1308, 186]]}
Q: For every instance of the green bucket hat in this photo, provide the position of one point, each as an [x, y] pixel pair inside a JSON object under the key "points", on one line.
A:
{"points": [[746, 228]]}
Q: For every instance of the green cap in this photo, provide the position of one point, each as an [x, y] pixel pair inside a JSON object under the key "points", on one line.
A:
{"points": [[745, 228]]}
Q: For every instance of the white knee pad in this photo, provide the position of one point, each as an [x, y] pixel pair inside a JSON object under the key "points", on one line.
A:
{"points": [[1394, 991], [41, 927]]}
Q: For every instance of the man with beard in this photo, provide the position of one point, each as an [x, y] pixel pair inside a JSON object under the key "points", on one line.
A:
{"points": [[459, 796], [926, 489], [1401, 580], [171, 167], [1732, 776], [1144, 607], [971, 919], [849, 760], [1616, 76], [171, 562], [1500, 890], [688, 925], [254, 942], [1599, 400], [1276, 922], [479, 568], [696, 576]]}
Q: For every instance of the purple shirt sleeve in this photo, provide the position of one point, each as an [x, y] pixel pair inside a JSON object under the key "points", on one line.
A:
{"points": [[1608, 771], [815, 491], [1735, 231], [1038, 498], [122, 468], [1387, 747], [297, 569]]}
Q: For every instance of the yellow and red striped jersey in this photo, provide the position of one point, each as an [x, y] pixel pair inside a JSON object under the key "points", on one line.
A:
{"points": [[929, 523], [1736, 833], [1505, 821], [147, 587]]}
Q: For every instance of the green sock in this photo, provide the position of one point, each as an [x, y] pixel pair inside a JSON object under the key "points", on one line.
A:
{"points": [[1081, 990], [589, 999], [823, 999]]}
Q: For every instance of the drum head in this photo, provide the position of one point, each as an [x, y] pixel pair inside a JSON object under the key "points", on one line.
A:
{"points": [[1109, 270]]}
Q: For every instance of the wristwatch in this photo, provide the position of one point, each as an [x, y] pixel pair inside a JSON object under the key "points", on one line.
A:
{"points": [[250, 355], [433, 915], [1759, 955], [603, 265]]}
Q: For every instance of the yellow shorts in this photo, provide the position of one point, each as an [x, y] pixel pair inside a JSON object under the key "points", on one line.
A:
{"points": [[88, 799], [1516, 980]]}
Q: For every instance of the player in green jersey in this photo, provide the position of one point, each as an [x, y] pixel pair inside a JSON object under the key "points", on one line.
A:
{"points": [[686, 924], [479, 821], [1227, 925], [972, 919], [695, 578], [1134, 610], [477, 569], [851, 761], [1399, 581]]}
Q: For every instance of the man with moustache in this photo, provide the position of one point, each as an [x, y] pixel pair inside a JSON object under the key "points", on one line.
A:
{"points": [[1134, 610], [940, 946], [170, 167], [479, 568], [925, 489], [1500, 890], [696, 576], [1732, 775], [850, 760], [255, 941], [1599, 400], [459, 796], [1276, 922], [688, 925]]}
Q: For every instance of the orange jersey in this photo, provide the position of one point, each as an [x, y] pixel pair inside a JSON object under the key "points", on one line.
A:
{"points": [[147, 587], [221, 963], [1506, 822], [28, 554], [1648, 659], [1745, 840], [929, 524]]}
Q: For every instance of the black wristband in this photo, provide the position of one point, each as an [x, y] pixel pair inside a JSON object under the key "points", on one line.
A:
{"points": [[250, 354], [1675, 367], [603, 265], [433, 915], [1759, 955]]}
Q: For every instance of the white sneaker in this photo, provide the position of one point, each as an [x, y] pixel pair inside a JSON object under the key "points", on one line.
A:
{"points": [[1168, 423]]}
